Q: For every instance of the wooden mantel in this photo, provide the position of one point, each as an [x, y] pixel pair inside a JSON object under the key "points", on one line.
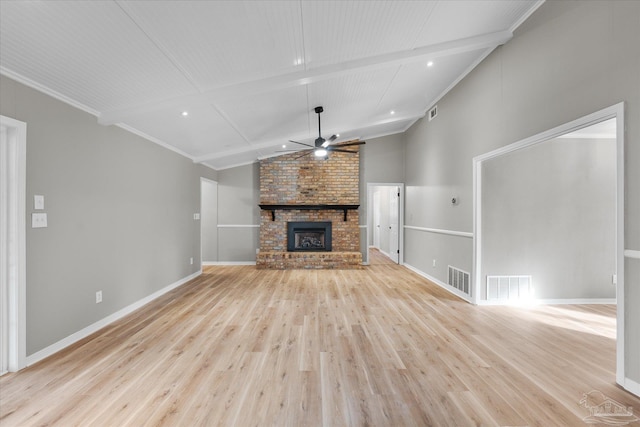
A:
{"points": [[274, 208]]}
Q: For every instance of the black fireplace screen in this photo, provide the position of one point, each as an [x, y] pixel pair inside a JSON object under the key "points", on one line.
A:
{"points": [[309, 236]]}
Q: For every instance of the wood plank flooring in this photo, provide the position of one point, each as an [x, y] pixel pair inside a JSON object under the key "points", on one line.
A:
{"points": [[374, 347]]}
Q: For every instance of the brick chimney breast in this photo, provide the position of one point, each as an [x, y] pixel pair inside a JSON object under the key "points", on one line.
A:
{"points": [[292, 179]]}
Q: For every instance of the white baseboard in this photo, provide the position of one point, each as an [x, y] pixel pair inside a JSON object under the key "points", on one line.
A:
{"points": [[228, 263], [631, 386], [569, 301], [572, 301], [443, 285], [77, 336]]}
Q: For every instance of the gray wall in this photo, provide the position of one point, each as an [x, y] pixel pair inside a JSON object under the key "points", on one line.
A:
{"points": [[381, 161], [549, 211], [120, 215], [209, 221], [238, 198], [567, 60]]}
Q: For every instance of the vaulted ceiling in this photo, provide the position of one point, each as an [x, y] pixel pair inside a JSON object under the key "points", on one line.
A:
{"points": [[249, 73]]}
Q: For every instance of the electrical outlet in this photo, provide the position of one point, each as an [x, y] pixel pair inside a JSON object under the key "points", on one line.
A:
{"points": [[434, 263], [38, 220], [98, 297], [191, 260]]}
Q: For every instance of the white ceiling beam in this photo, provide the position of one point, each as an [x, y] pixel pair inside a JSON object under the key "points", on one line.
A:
{"points": [[313, 75], [279, 142]]}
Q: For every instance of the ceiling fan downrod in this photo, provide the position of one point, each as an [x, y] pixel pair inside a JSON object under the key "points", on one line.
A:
{"points": [[320, 139]]}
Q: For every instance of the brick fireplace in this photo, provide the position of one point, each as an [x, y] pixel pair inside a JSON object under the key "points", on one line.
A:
{"points": [[316, 194]]}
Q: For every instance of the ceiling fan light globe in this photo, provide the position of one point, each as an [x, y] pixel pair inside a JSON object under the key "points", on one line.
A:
{"points": [[320, 152]]}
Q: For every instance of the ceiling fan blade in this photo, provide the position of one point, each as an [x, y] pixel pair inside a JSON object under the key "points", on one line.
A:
{"points": [[341, 151], [302, 143], [348, 144], [304, 153], [326, 142]]}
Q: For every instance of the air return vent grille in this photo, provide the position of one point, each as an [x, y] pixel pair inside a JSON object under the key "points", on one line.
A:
{"points": [[433, 113], [460, 280], [506, 288]]}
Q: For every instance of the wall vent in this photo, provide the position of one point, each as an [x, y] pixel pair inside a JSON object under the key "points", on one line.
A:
{"points": [[460, 280], [507, 288], [433, 113]]}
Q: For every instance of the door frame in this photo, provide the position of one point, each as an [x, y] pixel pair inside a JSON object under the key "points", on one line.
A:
{"points": [[375, 218], [615, 111], [210, 181], [13, 193], [394, 201], [370, 188]]}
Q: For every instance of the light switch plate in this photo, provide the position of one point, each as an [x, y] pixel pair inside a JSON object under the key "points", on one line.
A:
{"points": [[38, 220], [38, 202]]}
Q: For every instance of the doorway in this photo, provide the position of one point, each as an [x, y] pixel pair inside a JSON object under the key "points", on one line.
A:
{"points": [[582, 126], [208, 221], [385, 209], [13, 137]]}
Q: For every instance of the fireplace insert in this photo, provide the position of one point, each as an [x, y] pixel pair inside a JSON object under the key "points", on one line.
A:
{"points": [[309, 236]]}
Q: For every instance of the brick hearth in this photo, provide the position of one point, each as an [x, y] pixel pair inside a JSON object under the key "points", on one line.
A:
{"points": [[303, 181]]}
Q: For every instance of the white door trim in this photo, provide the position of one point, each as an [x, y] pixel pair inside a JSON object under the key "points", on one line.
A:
{"points": [[211, 181], [370, 188], [13, 192], [615, 111]]}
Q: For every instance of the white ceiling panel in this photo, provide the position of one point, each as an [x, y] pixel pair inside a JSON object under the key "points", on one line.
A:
{"points": [[251, 72], [232, 160], [349, 98], [386, 126], [224, 42], [198, 133], [89, 51], [416, 85], [337, 31], [280, 114], [453, 20]]}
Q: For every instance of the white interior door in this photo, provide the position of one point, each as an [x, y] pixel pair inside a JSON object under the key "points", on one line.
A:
{"points": [[376, 219], [208, 220], [394, 214]]}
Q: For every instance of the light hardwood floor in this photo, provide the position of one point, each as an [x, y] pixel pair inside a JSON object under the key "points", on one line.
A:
{"points": [[379, 347]]}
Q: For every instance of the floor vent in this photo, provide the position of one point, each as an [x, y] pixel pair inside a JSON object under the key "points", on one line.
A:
{"points": [[460, 280], [507, 288]]}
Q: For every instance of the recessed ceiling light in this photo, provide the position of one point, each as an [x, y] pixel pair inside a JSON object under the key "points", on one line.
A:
{"points": [[392, 112], [430, 64], [185, 113], [337, 135], [284, 145]]}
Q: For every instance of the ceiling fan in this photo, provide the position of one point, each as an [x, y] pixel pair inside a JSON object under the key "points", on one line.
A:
{"points": [[322, 147]]}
